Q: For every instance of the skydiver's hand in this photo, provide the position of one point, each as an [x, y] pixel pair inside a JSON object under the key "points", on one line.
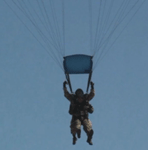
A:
{"points": [[64, 84], [86, 107], [92, 85], [91, 109]]}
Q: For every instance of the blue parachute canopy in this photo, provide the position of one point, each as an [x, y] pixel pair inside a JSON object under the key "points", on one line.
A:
{"points": [[78, 64]]}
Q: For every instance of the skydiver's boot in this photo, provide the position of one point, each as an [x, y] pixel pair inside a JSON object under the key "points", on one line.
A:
{"points": [[79, 133], [74, 139], [89, 139]]}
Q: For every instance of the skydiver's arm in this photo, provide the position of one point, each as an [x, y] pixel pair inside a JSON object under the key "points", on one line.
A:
{"points": [[92, 92], [66, 93], [90, 109]]}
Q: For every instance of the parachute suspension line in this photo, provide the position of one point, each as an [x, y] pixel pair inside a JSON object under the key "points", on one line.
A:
{"points": [[108, 15], [123, 29], [57, 31], [49, 27], [100, 33], [90, 23], [107, 19], [117, 24], [44, 23], [45, 39], [68, 80], [41, 6], [101, 36], [38, 29], [108, 29], [55, 39], [56, 24], [114, 28], [45, 15], [26, 26], [106, 22], [51, 52], [124, 8], [97, 27], [135, 12], [63, 22], [54, 33], [42, 12], [98, 37], [30, 31], [33, 21], [89, 80], [105, 26]]}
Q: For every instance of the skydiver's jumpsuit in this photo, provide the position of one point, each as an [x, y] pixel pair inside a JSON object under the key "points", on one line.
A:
{"points": [[80, 117]]}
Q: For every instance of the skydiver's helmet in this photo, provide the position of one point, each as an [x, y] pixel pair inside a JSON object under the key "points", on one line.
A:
{"points": [[79, 93]]}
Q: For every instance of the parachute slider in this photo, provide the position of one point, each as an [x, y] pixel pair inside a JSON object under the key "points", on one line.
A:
{"points": [[77, 64]]}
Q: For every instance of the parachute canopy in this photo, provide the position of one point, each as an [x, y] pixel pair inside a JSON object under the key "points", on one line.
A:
{"points": [[53, 23], [78, 64], [102, 22]]}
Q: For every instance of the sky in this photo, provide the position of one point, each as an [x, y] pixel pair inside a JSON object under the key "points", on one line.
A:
{"points": [[33, 109]]}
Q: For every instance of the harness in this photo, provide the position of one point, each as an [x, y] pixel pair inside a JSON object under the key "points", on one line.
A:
{"points": [[78, 109]]}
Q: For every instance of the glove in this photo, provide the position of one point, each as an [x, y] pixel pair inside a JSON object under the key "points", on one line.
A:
{"points": [[86, 107], [64, 84], [91, 109], [92, 85]]}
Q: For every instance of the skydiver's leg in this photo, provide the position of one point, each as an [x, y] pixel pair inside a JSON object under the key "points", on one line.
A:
{"points": [[89, 139], [75, 127], [79, 133], [74, 139], [87, 126]]}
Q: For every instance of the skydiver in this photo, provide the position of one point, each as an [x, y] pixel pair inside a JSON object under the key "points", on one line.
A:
{"points": [[79, 109]]}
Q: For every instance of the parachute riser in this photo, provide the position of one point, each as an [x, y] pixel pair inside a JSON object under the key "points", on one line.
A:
{"points": [[89, 80], [68, 80]]}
